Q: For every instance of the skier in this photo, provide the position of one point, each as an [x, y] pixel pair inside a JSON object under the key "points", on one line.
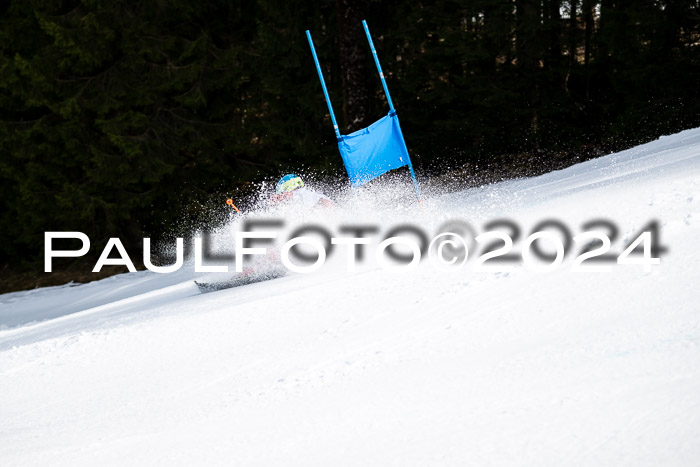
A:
{"points": [[291, 190], [290, 193]]}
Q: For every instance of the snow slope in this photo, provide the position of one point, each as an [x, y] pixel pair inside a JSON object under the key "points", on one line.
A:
{"points": [[423, 367]]}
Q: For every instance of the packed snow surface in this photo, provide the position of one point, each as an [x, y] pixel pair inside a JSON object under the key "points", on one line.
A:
{"points": [[380, 367]]}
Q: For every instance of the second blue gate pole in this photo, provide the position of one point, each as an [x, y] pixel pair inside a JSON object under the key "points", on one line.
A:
{"points": [[391, 104], [323, 85]]}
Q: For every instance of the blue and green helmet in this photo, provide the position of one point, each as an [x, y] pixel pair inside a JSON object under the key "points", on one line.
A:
{"points": [[289, 182]]}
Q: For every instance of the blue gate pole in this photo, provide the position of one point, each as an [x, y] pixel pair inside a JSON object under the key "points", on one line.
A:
{"points": [[323, 85], [410, 166], [391, 104], [379, 67]]}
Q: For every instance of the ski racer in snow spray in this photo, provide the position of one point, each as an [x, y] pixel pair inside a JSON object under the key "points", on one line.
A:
{"points": [[290, 190], [290, 193]]}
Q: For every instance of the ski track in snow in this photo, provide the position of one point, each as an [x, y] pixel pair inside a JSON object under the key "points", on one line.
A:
{"points": [[384, 368]]}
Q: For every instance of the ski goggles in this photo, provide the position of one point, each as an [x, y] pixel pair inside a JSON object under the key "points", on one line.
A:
{"points": [[290, 185]]}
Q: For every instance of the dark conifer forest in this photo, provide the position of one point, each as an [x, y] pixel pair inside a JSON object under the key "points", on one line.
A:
{"points": [[120, 118]]}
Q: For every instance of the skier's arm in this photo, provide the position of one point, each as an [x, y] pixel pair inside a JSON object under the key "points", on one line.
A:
{"points": [[326, 203]]}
